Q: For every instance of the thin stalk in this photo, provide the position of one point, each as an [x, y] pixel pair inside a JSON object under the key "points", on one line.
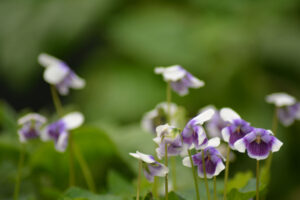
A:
{"points": [[85, 169], [139, 181], [166, 177], [19, 174], [226, 172], [275, 121], [169, 97], [215, 188], [257, 180], [205, 178], [173, 164], [195, 176], [56, 101], [154, 187], [71, 161]]}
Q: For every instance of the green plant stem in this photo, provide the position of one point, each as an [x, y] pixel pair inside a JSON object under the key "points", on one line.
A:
{"points": [[215, 188], [154, 187], [205, 178], [257, 180], [139, 181], [195, 176], [226, 172], [56, 101], [19, 174], [173, 168], [169, 97], [85, 169], [275, 121], [71, 162], [166, 177]]}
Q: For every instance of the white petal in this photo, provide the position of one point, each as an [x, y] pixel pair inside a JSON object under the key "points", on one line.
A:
{"points": [[220, 167], [62, 141], [159, 70], [77, 82], [204, 116], [227, 114], [21, 137], [208, 107], [157, 140], [135, 155], [146, 158], [240, 145], [276, 145], [46, 60], [172, 73], [187, 162], [44, 134], [281, 99], [73, 120], [225, 134], [164, 171], [196, 83], [32, 116], [54, 74], [163, 129], [214, 142]]}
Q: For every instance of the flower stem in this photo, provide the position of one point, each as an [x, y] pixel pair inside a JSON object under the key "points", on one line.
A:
{"points": [[194, 175], [139, 181], [56, 101], [275, 121], [169, 97], [215, 188], [154, 187], [205, 178], [257, 180], [19, 174], [71, 162], [226, 172], [85, 169], [166, 177]]}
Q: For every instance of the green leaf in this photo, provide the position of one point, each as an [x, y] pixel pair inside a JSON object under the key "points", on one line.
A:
{"points": [[75, 193], [118, 185], [240, 180], [174, 196]]}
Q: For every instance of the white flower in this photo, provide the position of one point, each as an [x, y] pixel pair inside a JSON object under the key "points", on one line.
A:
{"points": [[281, 99]]}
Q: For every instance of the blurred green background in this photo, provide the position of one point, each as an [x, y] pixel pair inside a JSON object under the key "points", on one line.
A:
{"points": [[242, 49]]}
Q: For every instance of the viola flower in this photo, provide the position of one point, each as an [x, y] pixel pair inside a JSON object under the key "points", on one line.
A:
{"points": [[193, 133], [212, 157], [236, 129], [287, 105], [58, 73], [150, 166], [59, 130], [159, 116], [215, 125], [31, 126], [259, 143], [180, 79], [170, 136]]}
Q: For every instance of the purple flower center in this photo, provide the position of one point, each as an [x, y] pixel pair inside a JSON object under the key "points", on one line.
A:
{"points": [[56, 129]]}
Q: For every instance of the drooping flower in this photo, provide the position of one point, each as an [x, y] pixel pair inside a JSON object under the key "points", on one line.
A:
{"points": [[287, 105], [180, 79], [259, 143], [213, 160], [59, 130], [236, 129], [150, 166], [215, 125], [170, 136], [58, 73], [159, 116], [31, 125], [193, 133]]}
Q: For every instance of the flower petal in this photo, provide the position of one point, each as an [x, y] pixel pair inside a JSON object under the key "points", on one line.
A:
{"points": [[226, 134], [54, 74], [77, 82], [227, 114], [171, 73], [240, 145], [143, 157], [73, 120], [187, 162], [214, 142], [220, 167], [204, 116], [281, 99], [46, 60], [32, 116], [62, 142], [276, 144]]}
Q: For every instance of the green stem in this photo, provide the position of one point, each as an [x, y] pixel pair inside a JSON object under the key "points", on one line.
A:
{"points": [[85, 169], [71, 162], [169, 97], [226, 172], [166, 177], [215, 188], [139, 181], [194, 175], [205, 178], [19, 174], [56, 101], [275, 122], [154, 187], [257, 180], [173, 163]]}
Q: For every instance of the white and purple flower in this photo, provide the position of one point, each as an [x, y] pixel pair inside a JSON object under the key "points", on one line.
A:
{"points": [[59, 130], [31, 125], [150, 166], [58, 73], [180, 79], [193, 134], [236, 129], [159, 116], [170, 136], [259, 143], [213, 160], [288, 108]]}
